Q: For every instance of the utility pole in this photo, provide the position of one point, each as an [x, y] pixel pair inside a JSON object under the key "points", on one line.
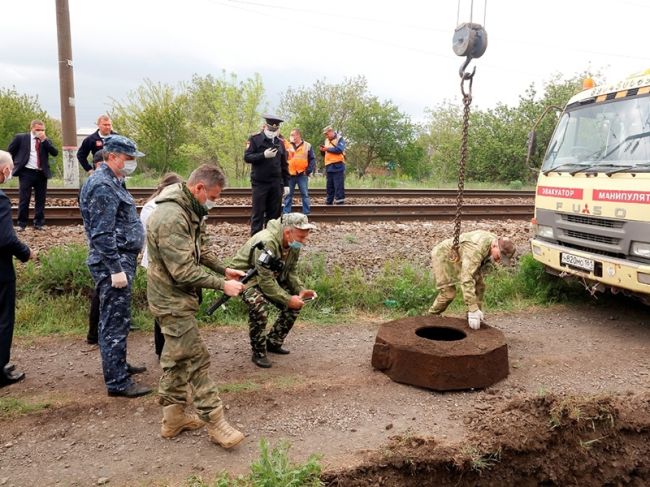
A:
{"points": [[66, 90]]}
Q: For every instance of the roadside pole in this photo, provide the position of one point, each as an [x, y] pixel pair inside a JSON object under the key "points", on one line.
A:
{"points": [[66, 90]]}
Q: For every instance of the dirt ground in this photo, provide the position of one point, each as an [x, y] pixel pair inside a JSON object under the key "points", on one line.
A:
{"points": [[575, 410]]}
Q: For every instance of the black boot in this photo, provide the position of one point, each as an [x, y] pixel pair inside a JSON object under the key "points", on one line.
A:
{"points": [[261, 360], [276, 349], [9, 375]]}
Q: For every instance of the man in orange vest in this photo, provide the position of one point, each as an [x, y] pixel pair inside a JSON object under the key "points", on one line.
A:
{"points": [[333, 151], [302, 163]]}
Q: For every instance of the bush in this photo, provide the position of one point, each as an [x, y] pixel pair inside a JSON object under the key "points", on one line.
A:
{"points": [[515, 185], [61, 270]]}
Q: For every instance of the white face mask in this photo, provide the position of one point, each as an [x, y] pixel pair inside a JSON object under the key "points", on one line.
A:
{"points": [[209, 204], [292, 139], [269, 134], [129, 166]]}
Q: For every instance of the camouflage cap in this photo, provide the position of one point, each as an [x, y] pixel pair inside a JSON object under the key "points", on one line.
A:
{"points": [[297, 220], [121, 145], [507, 250]]}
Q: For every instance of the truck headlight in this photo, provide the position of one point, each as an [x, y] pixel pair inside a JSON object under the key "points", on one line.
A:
{"points": [[642, 249], [545, 231]]}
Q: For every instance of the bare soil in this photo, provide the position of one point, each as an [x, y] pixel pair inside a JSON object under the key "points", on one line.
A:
{"points": [[575, 410]]}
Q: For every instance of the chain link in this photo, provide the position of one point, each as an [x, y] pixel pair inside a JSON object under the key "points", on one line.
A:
{"points": [[454, 255]]}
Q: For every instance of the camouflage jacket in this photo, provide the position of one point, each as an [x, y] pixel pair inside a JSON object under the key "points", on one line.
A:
{"points": [[177, 248], [474, 249], [110, 219], [273, 285]]}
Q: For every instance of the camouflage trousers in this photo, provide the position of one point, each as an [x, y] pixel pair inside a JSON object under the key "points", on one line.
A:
{"points": [[114, 322], [447, 294], [258, 307], [185, 361]]}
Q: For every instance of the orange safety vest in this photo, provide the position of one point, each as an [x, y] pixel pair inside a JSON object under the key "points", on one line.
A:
{"points": [[330, 157], [298, 157]]}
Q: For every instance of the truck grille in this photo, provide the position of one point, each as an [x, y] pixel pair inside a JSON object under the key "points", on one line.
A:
{"points": [[593, 238], [590, 220]]}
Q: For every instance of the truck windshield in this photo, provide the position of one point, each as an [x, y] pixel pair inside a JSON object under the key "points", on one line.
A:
{"points": [[613, 134]]}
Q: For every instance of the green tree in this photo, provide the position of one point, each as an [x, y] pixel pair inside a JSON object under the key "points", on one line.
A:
{"points": [[155, 116], [223, 113], [322, 104], [441, 140], [378, 133]]}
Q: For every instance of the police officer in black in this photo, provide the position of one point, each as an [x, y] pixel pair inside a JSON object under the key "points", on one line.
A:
{"points": [[266, 154]]}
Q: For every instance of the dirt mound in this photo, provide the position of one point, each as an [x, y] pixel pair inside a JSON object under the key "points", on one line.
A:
{"points": [[550, 440]]}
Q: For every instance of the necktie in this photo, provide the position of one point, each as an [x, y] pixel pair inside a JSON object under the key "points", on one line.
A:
{"points": [[37, 146]]}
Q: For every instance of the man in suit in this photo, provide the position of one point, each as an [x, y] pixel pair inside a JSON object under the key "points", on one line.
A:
{"points": [[94, 143], [10, 246], [31, 153]]}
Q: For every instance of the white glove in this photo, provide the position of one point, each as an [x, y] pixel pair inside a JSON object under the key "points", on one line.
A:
{"points": [[119, 280], [474, 319], [270, 153], [285, 192]]}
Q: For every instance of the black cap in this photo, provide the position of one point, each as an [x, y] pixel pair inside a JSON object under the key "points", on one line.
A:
{"points": [[272, 120]]}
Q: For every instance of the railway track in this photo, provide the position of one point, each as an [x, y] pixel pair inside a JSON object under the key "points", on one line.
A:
{"points": [[139, 193], [69, 215]]}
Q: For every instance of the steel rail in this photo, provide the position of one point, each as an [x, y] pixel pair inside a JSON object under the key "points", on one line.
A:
{"points": [[139, 193], [69, 215]]}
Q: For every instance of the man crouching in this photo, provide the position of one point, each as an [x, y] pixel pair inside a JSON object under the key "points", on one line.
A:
{"points": [[278, 285], [178, 248]]}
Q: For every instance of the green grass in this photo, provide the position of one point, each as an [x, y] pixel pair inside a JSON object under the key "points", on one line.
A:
{"points": [[11, 408], [273, 468], [53, 296]]}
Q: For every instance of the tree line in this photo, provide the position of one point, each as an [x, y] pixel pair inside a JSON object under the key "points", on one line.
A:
{"points": [[209, 118]]}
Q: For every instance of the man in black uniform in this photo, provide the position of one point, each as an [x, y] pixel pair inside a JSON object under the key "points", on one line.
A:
{"points": [[267, 156], [94, 143]]}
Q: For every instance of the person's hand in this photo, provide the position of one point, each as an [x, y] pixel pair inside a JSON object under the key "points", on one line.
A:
{"points": [[33, 255], [285, 191], [295, 302], [474, 319], [233, 273], [90, 171], [232, 288], [322, 148], [307, 294], [41, 135], [270, 152], [119, 280]]}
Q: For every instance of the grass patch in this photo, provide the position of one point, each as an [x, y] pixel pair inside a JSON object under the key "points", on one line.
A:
{"points": [[273, 468], [53, 294], [246, 386], [12, 408]]}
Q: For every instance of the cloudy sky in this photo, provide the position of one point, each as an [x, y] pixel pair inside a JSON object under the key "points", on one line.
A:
{"points": [[402, 47]]}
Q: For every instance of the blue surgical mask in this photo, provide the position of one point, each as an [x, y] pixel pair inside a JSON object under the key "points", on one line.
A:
{"points": [[296, 245]]}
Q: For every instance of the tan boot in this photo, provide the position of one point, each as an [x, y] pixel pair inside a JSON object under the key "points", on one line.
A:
{"points": [[175, 420], [221, 432]]}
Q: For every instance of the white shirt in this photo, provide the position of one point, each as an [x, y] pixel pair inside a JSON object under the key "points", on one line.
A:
{"points": [[33, 158], [145, 213]]}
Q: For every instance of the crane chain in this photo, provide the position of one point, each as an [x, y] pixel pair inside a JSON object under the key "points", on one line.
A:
{"points": [[467, 101]]}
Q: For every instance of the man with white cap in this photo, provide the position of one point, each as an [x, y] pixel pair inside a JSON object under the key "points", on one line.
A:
{"points": [[266, 154]]}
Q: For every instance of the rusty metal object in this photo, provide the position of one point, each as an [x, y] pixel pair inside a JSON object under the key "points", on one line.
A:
{"points": [[440, 353]]}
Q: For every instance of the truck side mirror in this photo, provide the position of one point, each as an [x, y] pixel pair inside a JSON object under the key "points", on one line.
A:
{"points": [[532, 145]]}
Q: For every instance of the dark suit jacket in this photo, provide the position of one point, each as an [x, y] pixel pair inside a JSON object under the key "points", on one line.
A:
{"points": [[21, 146], [9, 243]]}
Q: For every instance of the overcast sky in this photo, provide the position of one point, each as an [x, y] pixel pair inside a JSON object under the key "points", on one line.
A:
{"points": [[403, 48]]}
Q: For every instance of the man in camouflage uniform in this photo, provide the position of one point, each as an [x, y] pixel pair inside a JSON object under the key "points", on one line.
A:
{"points": [[283, 237], [178, 249], [476, 249], [115, 237]]}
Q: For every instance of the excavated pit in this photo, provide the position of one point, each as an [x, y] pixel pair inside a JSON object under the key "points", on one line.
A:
{"points": [[440, 353]]}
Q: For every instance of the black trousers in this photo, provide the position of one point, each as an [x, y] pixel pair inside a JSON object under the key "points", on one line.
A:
{"points": [[28, 179], [267, 204], [93, 318], [7, 320]]}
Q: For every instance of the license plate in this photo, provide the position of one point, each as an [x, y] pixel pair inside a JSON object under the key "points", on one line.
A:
{"points": [[580, 262]]}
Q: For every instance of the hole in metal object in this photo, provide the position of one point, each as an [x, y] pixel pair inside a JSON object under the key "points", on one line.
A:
{"points": [[440, 333]]}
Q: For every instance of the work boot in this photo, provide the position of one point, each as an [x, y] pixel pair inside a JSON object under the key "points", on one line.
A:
{"points": [[261, 361], [221, 432], [276, 349], [176, 420], [133, 390]]}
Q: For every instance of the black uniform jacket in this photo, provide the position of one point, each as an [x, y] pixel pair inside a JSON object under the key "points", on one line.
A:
{"points": [[267, 171]]}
